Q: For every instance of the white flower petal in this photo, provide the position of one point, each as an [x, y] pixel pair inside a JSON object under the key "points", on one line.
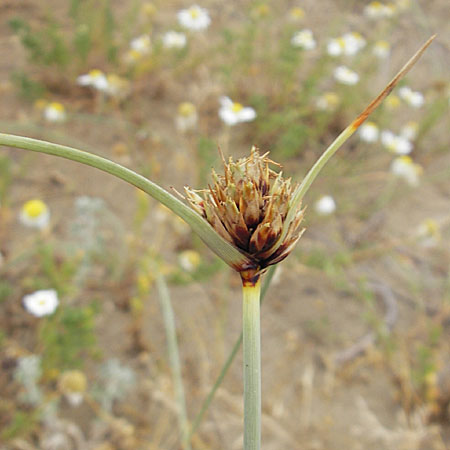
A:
{"points": [[194, 18], [246, 114], [325, 205], [41, 303]]}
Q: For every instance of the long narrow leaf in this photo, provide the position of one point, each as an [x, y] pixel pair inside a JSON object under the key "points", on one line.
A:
{"points": [[342, 138], [199, 225]]}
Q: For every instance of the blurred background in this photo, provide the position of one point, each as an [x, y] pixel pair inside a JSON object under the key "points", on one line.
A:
{"points": [[356, 322]]}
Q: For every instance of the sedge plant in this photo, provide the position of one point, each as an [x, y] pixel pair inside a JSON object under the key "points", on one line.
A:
{"points": [[250, 217]]}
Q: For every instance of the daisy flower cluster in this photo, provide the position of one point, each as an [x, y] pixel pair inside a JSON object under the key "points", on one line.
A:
{"points": [[194, 18], [412, 98], [349, 44], [400, 144], [378, 10], [110, 85]]}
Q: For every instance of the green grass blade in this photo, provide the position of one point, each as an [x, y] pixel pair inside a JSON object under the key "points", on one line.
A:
{"points": [[174, 358], [343, 136], [199, 225]]}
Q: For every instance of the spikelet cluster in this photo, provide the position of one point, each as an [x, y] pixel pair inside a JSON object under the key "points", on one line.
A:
{"points": [[248, 206]]}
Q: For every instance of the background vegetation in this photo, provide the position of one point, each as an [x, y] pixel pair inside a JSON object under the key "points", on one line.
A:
{"points": [[355, 326]]}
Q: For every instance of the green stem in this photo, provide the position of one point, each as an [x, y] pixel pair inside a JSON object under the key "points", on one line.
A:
{"points": [[199, 225], [230, 359], [252, 365], [174, 357]]}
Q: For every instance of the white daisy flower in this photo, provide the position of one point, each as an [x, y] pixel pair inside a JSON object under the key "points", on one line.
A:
{"points": [[41, 303], [346, 76], [55, 112], [409, 131], [141, 44], [377, 10], [327, 101], [381, 49], [404, 167], [325, 205], [348, 44], [194, 18], [174, 39], [94, 78], [304, 39], [369, 132], [35, 214], [335, 46], [187, 117], [395, 143], [189, 260], [413, 98], [232, 112], [354, 42]]}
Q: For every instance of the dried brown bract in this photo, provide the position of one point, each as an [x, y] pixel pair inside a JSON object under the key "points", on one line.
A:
{"points": [[247, 206]]}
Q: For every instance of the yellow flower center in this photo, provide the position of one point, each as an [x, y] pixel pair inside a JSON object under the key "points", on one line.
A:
{"points": [[186, 109], [383, 44], [95, 73], [148, 9], [191, 257], [376, 5], [262, 11], [34, 208], [57, 106], [73, 381], [297, 13], [194, 12], [236, 107], [341, 42], [406, 159], [331, 98], [393, 102], [134, 55], [432, 227]]}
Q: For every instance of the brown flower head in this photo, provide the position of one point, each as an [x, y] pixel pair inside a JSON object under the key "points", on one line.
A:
{"points": [[248, 206]]}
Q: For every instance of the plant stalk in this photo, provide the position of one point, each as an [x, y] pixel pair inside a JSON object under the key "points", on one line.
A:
{"points": [[252, 364], [229, 360], [172, 346]]}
